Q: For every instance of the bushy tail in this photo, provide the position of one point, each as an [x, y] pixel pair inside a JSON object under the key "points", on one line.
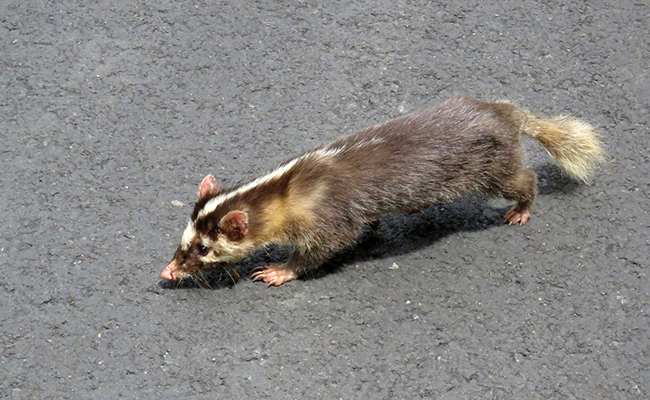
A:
{"points": [[574, 144]]}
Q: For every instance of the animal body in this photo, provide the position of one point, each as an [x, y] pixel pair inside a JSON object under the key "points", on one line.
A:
{"points": [[320, 201]]}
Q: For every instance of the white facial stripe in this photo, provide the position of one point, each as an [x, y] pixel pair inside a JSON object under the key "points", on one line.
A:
{"points": [[188, 235]]}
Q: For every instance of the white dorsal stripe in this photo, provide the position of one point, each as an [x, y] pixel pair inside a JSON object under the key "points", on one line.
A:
{"points": [[212, 204]]}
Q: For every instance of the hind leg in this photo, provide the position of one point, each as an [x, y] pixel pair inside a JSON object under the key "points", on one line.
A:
{"points": [[522, 188]]}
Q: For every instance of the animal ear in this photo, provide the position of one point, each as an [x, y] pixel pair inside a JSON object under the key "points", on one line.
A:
{"points": [[208, 188], [234, 225]]}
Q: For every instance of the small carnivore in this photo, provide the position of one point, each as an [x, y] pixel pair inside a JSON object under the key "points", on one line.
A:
{"points": [[320, 201]]}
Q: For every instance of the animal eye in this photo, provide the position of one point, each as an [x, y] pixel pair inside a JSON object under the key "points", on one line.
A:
{"points": [[203, 250]]}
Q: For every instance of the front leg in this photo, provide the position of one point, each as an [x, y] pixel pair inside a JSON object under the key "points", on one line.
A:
{"points": [[298, 264], [311, 253]]}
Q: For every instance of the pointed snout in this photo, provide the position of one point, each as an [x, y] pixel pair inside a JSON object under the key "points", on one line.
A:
{"points": [[168, 272]]}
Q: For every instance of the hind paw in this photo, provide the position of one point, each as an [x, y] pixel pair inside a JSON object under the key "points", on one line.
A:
{"points": [[517, 215]]}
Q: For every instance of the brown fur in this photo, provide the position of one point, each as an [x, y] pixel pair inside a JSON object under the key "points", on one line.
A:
{"points": [[320, 202]]}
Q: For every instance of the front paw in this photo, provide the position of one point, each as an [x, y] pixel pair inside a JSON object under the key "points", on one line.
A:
{"points": [[275, 274]]}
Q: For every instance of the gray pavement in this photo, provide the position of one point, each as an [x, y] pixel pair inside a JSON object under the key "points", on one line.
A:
{"points": [[112, 113]]}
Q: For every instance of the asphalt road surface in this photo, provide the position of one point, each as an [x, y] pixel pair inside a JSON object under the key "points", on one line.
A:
{"points": [[113, 112]]}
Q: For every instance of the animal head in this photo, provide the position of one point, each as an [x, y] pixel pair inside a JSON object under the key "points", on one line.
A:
{"points": [[213, 236]]}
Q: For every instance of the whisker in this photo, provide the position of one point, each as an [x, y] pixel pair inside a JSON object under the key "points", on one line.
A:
{"points": [[205, 280], [231, 278]]}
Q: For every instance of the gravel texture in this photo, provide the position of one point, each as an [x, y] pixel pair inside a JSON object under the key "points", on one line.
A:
{"points": [[112, 113]]}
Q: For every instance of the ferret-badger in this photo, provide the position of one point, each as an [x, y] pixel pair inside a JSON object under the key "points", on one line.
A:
{"points": [[320, 201]]}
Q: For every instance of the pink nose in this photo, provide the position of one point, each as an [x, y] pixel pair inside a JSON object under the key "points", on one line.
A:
{"points": [[168, 273]]}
